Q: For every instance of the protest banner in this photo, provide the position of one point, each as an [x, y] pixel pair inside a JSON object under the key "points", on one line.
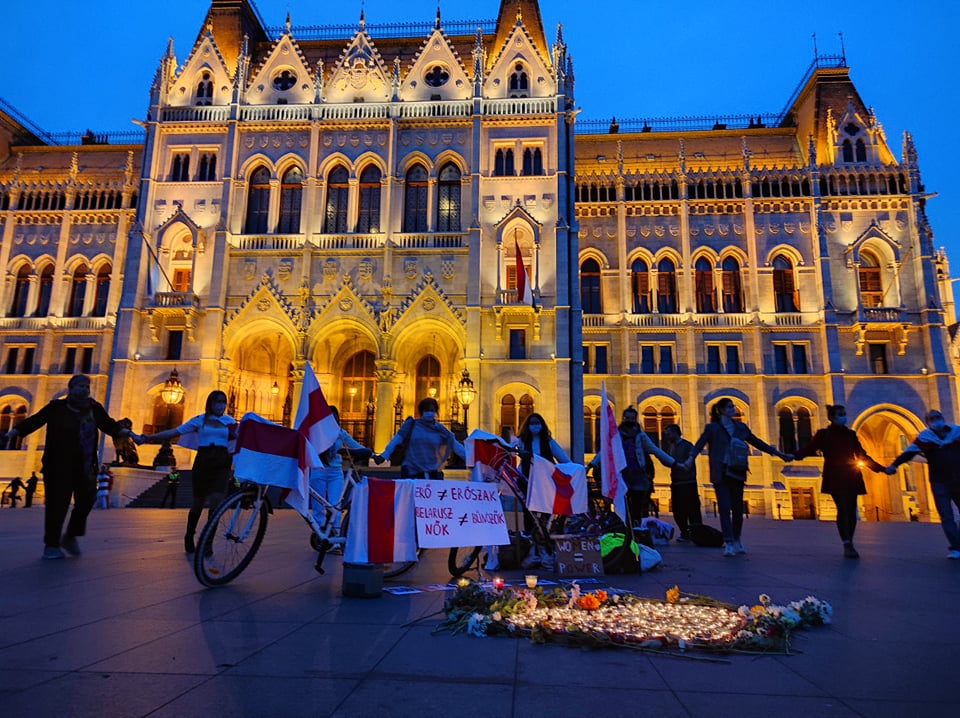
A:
{"points": [[458, 513]]}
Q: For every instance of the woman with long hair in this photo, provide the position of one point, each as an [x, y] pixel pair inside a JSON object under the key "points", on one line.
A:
{"points": [[843, 456], [209, 433], [728, 438], [535, 439]]}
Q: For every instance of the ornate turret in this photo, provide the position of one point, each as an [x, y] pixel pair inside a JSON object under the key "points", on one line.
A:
{"points": [[527, 13]]}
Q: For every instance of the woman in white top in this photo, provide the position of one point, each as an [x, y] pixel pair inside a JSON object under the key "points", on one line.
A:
{"points": [[210, 434]]}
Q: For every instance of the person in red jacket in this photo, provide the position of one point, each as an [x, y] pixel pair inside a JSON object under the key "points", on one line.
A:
{"points": [[843, 457]]}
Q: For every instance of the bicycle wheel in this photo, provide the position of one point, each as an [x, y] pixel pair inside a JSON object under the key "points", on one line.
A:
{"points": [[460, 560], [230, 539]]}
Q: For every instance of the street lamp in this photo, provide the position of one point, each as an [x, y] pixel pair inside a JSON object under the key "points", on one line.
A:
{"points": [[466, 393], [172, 392]]}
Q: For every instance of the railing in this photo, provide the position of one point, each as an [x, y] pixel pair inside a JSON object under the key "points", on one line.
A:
{"points": [[24, 322], [267, 241], [655, 320], [722, 320], [789, 319], [385, 30], [520, 106], [418, 110], [81, 323], [881, 314], [677, 124], [594, 320], [176, 299], [203, 113], [277, 113], [428, 241], [353, 111], [349, 241]]}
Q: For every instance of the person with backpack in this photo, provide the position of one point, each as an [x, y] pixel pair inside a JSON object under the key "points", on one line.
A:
{"points": [[639, 473], [173, 484], [728, 439], [427, 443], [684, 496], [843, 455]]}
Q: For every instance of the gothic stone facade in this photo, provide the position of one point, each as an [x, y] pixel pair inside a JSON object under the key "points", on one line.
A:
{"points": [[364, 203]]}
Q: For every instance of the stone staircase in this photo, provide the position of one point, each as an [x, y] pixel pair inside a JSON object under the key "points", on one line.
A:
{"points": [[152, 496]]}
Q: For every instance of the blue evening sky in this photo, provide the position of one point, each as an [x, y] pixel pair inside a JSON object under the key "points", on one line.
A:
{"points": [[72, 66]]}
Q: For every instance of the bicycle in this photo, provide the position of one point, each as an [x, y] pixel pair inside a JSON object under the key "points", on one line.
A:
{"points": [[233, 534]]}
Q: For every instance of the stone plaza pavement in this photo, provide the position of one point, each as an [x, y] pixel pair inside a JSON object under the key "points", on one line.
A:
{"points": [[126, 630]]}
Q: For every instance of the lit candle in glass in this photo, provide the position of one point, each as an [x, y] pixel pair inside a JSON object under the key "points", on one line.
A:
{"points": [[463, 582], [531, 581], [498, 583]]}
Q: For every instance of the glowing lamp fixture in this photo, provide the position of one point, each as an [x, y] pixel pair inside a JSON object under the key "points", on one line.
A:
{"points": [[466, 392], [275, 389], [172, 392]]}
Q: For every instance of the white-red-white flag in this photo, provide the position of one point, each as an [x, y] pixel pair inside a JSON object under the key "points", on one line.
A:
{"points": [[276, 456], [612, 458], [524, 294], [485, 453], [313, 418], [382, 526], [559, 489]]}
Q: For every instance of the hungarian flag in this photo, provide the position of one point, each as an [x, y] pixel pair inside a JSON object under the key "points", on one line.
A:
{"points": [[382, 527], [612, 459], [559, 489], [314, 420], [276, 456], [524, 295]]}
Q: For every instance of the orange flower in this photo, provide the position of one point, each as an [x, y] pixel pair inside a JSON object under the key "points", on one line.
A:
{"points": [[673, 594], [588, 602], [601, 595]]}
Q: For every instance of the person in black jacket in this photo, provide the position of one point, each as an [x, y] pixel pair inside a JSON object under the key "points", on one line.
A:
{"points": [[727, 439], [69, 463], [684, 496]]}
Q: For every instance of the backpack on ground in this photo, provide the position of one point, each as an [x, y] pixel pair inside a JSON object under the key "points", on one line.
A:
{"points": [[660, 531], [619, 553], [703, 535]]}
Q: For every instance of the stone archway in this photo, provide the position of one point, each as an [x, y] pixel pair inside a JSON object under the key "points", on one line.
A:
{"points": [[884, 435]]}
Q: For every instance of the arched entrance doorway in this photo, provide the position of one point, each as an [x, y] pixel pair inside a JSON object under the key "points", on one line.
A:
{"points": [[884, 435]]}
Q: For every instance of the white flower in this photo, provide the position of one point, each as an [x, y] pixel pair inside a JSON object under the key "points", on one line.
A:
{"points": [[764, 599]]}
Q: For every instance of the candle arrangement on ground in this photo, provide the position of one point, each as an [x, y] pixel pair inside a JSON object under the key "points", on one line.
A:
{"points": [[600, 618]]}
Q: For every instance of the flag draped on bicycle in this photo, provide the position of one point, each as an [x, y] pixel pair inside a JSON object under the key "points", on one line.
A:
{"points": [[278, 456]]}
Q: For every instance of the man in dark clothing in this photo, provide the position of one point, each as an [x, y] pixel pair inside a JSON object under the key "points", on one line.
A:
{"points": [[69, 462], [15, 487], [173, 483], [31, 488], [940, 445], [683, 482]]}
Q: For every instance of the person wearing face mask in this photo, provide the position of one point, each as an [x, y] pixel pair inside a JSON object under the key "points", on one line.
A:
{"points": [[843, 456], [536, 440], [727, 438], [940, 445], [429, 444], [69, 461]]}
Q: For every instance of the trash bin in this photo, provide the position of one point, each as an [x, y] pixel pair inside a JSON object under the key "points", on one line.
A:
{"points": [[363, 580]]}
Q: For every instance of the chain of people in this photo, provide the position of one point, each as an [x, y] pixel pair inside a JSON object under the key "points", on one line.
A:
{"points": [[72, 472]]}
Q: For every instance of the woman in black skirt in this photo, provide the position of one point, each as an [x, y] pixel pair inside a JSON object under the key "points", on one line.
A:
{"points": [[209, 433]]}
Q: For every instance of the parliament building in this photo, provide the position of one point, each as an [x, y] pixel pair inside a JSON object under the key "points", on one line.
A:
{"points": [[417, 211]]}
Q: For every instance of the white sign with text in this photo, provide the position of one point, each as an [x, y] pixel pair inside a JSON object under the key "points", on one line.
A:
{"points": [[458, 513]]}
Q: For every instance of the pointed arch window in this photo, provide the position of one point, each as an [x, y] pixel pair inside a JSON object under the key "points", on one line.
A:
{"points": [[207, 171], [532, 161], [590, 296], [847, 151], [428, 378], [415, 200], [861, 151], [338, 194], [785, 297], [871, 282], [508, 416], [788, 433], [368, 213], [78, 291], [180, 169], [640, 286], [258, 201], [732, 285], [667, 287], [519, 82], [291, 196], [503, 163], [102, 291], [46, 291], [9, 418], [358, 386], [448, 199], [204, 93], [21, 292], [526, 409], [703, 280]]}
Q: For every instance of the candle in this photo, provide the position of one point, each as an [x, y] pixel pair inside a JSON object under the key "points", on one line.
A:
{"points": [[498, 583], [531, 581], [463, 582]]}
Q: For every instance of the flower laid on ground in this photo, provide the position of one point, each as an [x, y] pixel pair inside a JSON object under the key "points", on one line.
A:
{"points": [[598, 618]]}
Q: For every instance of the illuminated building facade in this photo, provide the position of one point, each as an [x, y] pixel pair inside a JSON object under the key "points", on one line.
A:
{"points": [[365, 199]]}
